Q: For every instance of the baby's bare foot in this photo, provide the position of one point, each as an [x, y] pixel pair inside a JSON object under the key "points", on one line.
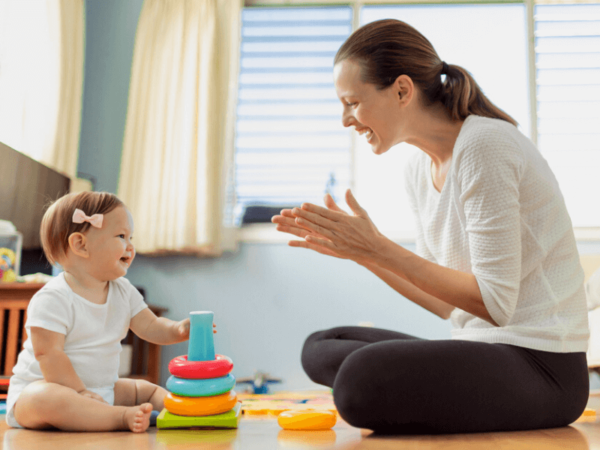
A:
{"points": [[137, 418]]}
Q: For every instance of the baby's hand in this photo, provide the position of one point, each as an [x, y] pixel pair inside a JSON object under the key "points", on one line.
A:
{"points": [[92, 395], [183, 329]]}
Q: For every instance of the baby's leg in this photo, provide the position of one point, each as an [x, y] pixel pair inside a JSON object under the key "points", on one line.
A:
{"points": [[130, 392], [46, 405]]}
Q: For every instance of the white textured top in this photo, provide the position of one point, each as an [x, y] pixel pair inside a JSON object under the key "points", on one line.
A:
{"points": [[501, 216]]}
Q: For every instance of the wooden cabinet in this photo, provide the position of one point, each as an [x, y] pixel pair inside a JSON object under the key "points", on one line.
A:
{"points": [[14, 299]]}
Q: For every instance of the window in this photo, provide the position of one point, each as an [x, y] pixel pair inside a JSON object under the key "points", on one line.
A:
{"points": [[490, 40], [567, 47], [291, 146]]}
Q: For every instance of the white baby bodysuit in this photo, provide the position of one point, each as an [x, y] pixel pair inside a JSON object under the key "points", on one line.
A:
{"points": [[93, 334], [501, 216]]}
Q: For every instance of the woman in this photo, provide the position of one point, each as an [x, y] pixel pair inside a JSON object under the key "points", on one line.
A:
{"points": [[495, 253]]}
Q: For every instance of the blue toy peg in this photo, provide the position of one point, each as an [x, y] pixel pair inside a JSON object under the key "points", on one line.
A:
{"points": [[201, 346]]}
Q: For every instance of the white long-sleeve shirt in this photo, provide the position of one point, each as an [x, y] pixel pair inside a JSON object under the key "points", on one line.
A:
{"points": [[501, 216]]}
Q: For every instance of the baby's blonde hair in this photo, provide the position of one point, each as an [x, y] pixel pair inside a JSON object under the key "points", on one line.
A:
{"points": [[57, 223]]}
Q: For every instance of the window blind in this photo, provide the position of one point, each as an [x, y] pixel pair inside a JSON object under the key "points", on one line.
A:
{"points": [[567, 47], [290, 144]]}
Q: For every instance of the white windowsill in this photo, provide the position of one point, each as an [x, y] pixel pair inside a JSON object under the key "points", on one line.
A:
{"points": [[265, 233], [587, 234]]}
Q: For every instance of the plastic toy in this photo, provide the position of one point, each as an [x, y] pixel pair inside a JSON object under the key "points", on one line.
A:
{"points": [[200, 406], [203, 379], [259, 383], [182, 367], [7, 265], [201, 345], [200, 388], [306, 420], [228, 419]]}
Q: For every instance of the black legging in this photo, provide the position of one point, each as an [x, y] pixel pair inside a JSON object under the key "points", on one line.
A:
{"points": [[391, 382]]}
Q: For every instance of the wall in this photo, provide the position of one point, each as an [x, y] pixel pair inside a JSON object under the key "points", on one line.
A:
{"points": [[109, 38], [266, 298]]}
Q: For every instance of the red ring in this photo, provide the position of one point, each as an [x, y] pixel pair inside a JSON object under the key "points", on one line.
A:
{"points": [[218, 367]]}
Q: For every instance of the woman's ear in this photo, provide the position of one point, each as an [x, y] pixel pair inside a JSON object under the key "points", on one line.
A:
{"points": [[78, 245], [404, 88]]}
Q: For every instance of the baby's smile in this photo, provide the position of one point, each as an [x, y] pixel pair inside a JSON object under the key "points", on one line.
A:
{"points": [[126, 259]]}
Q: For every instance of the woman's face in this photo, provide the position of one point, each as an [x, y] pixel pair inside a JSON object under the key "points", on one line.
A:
{"points": [[376, 114]]}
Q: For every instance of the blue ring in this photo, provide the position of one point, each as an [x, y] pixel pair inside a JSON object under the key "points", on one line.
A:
{"points": [[200, 388]]}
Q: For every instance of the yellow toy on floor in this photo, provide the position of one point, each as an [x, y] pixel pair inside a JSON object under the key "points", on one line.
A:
{"points": [[306, 420]]}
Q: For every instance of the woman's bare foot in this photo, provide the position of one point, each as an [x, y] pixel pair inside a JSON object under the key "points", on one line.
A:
{"points": [[137, 418]]}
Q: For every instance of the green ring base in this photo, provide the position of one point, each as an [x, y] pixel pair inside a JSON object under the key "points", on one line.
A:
{"points": [[227, 419]]}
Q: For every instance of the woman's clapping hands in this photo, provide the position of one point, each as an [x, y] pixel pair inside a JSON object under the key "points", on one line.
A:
{"points": [[332, 231]]}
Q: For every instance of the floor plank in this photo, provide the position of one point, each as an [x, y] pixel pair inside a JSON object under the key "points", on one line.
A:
{"points": [[265, 434]]}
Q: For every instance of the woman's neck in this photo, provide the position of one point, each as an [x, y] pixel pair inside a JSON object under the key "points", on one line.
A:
{"points": [[435, 133]]}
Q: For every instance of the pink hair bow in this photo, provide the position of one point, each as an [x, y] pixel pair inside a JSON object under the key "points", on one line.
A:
{"points": [[95, 220]]}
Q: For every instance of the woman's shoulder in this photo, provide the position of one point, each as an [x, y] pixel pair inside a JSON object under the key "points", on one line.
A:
{"points": [[487, 140], [486, 131]]}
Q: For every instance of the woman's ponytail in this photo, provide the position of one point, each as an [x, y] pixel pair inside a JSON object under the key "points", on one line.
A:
{"points": [[462, 96]]}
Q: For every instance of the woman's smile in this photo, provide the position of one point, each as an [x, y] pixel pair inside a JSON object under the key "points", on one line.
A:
{"points": [[367, 130]]}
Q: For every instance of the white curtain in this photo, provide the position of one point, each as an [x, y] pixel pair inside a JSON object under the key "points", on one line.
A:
{"points": [[179, 135], [41, 79]]}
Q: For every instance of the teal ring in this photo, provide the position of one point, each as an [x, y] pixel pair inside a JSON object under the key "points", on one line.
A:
{"points": [[200, 387]]}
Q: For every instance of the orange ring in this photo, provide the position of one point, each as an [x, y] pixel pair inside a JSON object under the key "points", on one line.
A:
{"points": [[218, 367], [200, 406]]}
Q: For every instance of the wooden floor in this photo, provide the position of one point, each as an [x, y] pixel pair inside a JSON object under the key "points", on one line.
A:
{"points": [[265, 434]]}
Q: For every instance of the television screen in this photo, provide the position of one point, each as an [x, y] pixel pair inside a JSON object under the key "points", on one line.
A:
{"points": [[26, 188]]}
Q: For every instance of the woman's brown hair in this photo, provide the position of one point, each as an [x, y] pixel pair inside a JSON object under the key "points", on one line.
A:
{"points": [[57, 223], [388, 48]]}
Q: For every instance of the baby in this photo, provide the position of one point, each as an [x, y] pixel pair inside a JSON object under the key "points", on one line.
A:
{"points": [[66, 375]]}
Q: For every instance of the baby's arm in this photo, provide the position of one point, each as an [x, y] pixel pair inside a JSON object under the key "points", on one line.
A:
{"points": [[159, 330], [48, 349]]}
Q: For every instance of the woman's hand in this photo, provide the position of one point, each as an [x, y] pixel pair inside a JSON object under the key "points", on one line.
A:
{"points": [[286, 223], [333, 231]]}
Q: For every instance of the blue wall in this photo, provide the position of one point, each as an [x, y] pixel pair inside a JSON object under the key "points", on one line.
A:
{"points": [[267, 297], [109, 38]]}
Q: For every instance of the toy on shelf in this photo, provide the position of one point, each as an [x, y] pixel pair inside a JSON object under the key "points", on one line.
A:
{"points": [[8, 260], [201, 384]]}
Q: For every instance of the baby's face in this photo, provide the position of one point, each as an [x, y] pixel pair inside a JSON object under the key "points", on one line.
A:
{"points": [[110, 248]]}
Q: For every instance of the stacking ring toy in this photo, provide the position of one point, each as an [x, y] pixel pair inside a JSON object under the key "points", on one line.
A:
{"points": [[306, 420], [200, 406], [218, 367], [200, 388]]}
